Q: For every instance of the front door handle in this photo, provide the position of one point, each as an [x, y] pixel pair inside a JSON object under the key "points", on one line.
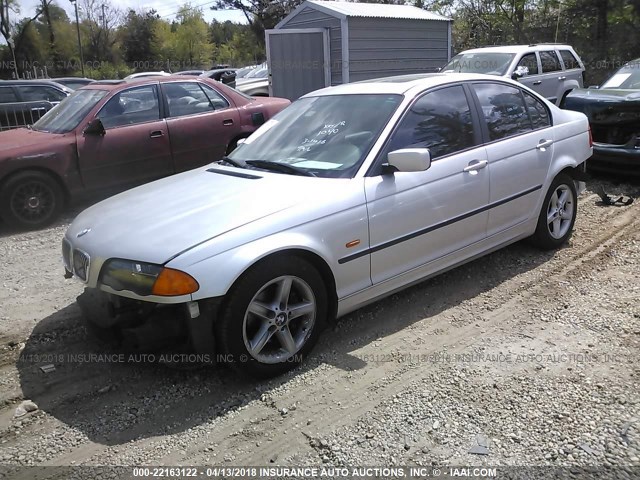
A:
{"points": [[475, 165], [228, 121], [156, 134], [542, 144], [562, 78], [537, 82]]}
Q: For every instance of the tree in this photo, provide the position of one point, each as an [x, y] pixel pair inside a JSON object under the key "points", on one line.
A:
{"points": [[5, 28], [192, 46], [101, 20], [138, 35], [260, 14]]}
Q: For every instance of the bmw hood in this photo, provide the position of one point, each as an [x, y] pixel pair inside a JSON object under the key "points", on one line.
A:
{"points": [[157, 221]]}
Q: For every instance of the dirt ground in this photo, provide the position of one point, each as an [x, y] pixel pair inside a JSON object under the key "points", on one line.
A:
{"points": [[524, 357]]}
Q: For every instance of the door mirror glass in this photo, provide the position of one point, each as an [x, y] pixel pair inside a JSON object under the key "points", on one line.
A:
{"points": [[410, 159], [95, 127], [519, 72]]}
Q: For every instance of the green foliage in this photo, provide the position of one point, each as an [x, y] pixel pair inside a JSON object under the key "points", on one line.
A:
{"points": [[105, 71], [137, 35], [260, 14], [604, 32], [235, 44], [192, 45]]}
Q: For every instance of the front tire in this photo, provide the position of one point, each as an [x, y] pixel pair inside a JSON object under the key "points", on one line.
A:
{"points": [[273, 317], [31, 200], [558, 214]]}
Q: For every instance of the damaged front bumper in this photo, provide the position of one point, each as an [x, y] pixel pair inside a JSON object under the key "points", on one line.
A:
{"points": [[147, 326]]}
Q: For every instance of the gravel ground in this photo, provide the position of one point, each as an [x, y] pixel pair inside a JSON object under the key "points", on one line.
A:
{"points": [[519, 358]]}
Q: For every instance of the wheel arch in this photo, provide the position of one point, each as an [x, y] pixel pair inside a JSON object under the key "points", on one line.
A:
{"points": [[234, 141], [315, 260], [565, 89], [46, 171]]}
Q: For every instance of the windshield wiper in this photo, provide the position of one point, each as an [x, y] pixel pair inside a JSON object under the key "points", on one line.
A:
{"points": [[280, 167], [234, 163]]}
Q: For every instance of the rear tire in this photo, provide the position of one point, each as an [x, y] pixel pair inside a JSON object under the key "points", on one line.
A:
{"points": [[558, 214], [273, 317], [30, 200]]}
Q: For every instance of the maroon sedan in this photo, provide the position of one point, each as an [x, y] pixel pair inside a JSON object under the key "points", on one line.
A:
{"points": [[115, 134]]}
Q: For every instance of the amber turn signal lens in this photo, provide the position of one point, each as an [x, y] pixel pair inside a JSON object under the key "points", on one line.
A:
{"points": [[172, 282]]}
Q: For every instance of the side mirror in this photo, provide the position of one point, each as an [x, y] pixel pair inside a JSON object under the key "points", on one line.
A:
{"points": [[95, 127], [410, 159], [439, 69], [520, 72]]}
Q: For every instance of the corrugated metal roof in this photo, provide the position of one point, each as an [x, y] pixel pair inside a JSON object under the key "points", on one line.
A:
{"points": [[376, 10]]}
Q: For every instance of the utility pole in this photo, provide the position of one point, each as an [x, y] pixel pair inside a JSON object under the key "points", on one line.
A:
{"points": [[5, 27], [75, 4]]}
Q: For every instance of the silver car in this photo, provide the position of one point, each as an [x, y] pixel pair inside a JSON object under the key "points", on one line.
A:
{"points": [[349, 194], [550, 69]]}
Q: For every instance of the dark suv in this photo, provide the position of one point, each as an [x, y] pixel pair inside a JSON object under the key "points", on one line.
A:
{"points": [[23, 102]]}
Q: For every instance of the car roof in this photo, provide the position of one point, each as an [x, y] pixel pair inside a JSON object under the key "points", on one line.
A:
{"points": [[404, 83], [518, 48], [116, 84], [37, 82], [73, 79]]}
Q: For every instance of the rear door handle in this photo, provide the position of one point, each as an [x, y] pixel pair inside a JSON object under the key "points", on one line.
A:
{"points": [[228, 121], [562, 78], [538, 82], [542, 144], [475, 165], [156, 134]]}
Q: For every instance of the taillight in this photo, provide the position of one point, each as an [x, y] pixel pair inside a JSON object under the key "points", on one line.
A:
{"points": [[590, 138]]}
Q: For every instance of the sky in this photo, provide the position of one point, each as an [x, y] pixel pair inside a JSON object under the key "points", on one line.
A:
{"points": [[165, 8]]}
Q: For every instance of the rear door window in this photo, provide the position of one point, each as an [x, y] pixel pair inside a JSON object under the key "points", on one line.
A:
{"points": [[504, 110], [186, 98], [550, 62], [537, 112], [7, 95], [217, 100]]}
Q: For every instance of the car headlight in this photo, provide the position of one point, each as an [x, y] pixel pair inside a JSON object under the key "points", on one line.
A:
{"points": [[146, 278]]}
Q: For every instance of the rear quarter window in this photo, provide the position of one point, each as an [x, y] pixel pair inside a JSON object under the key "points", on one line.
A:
{"points": [[569, 60]]}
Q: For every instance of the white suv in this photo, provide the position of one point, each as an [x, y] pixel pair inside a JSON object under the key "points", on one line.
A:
{"points": [[552, 70]]}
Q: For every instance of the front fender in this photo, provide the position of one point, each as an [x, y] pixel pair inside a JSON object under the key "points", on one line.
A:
{"points": [[325, 237]]}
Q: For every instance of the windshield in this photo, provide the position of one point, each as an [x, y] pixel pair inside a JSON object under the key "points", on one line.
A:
{"points": [[66, 116], [258, 73], [327, 136], [243, 72], [480, 62], [628, 77]]}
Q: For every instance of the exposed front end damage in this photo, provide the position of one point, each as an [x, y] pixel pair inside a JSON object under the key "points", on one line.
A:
{"points": [[149, 327], [614, 116]]}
